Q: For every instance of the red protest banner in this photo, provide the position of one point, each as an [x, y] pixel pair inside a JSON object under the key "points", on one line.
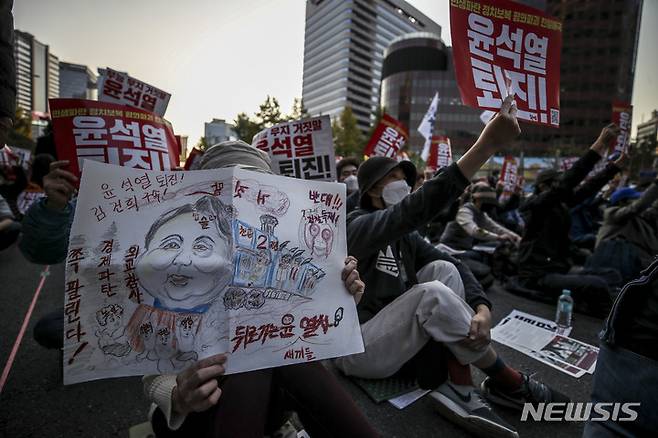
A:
{"points": [[509, 175], [622, 115], [440, 153], [193, 159], [111, 133], [389, 137], [502, 47]]}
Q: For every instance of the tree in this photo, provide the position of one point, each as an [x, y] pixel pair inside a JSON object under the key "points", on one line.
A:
{"points": [[246, 127], [202, 144], [23, 123], [348, 140], [299, 111], [269, 113]]}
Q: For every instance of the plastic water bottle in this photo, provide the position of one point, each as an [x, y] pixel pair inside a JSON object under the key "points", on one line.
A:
{"points": [[564, 311]]}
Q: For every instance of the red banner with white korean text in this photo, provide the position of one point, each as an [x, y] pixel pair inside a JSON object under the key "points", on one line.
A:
{"points": [[111, 133], [509, 176], [389, 137], [502, 47], [622, 116], [440, 153]]}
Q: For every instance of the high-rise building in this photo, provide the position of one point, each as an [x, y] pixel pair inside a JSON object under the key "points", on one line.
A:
{"points": [[416, 67], [77, 81], [37, 73], [53, 76], [344, 43], [647, 135], [217, 131], [599, 50]]}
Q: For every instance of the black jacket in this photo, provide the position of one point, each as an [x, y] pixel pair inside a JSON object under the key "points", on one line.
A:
{"points": [[390, 250], [635, 315], [546, 247]]}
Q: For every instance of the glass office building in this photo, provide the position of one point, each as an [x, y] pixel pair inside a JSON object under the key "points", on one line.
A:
{"points": [[417, 66], [344, 48]]}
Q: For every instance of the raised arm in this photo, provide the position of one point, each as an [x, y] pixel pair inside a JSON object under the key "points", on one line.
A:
{"points": [[500, 132], [641, 204], [416, 210]]}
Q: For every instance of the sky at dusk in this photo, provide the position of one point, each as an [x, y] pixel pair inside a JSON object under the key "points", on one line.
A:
{"points": [[219, 58]]}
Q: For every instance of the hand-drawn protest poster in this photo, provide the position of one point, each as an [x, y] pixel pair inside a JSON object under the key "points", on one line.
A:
{"points": [[387, 140], [622, 115], [502, 47], [165, 268], [110, 133], [302, 149], [440, 153], [122, 89]]}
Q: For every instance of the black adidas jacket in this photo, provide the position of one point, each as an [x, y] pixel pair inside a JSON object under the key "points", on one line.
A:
{"points": [[384, 241]]}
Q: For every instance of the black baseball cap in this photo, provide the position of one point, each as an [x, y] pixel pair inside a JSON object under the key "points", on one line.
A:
{"points": [[376, 168]]}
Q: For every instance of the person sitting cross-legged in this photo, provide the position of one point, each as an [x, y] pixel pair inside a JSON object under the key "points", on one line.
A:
{"points": [[419, 297]]}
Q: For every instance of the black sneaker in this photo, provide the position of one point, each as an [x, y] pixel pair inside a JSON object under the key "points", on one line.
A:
{"points": [[531, 391], [465, 406]]}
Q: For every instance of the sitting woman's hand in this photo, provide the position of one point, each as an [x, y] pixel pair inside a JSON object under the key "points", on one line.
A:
{"points": [[352, 280], [196, 387]]}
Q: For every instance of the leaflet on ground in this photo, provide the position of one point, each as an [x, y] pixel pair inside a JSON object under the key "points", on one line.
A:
{"points": [[537, 338]]}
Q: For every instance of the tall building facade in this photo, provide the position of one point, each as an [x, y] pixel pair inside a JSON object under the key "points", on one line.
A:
{"points": [[647, 136], [599, 50], [37, 73], [77, 81], [417, 66], [217, 131], [344, 43]]}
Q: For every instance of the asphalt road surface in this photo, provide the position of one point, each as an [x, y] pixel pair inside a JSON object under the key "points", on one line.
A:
{"points": [[34, 403]]}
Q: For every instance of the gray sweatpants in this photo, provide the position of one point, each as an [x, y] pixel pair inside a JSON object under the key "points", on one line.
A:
{"points": [[433, 309]]}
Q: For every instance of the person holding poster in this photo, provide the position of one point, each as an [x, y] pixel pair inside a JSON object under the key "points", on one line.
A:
{"points": [[545, 251], [420, 299], [199, 400]]}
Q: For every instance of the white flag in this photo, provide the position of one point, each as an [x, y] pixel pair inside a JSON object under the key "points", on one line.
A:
{"points": [[425, 154], [427, 124]]}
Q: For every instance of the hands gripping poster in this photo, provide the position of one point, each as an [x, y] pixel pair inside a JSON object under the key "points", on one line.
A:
{"points": [[165, 268]]}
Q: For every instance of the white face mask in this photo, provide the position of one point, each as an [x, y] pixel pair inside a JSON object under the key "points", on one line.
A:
{"points": [[395, 192], [352, 183]]}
